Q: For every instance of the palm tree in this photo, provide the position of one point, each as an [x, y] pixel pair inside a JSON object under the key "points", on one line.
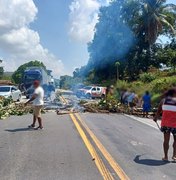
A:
{"points": [[155, 17], [117, 64]]}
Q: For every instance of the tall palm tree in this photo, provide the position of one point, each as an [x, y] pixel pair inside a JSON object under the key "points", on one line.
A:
{"points": [[155, 16]]}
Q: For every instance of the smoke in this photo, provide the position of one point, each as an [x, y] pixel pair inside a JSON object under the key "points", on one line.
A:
{"points": [[113, 37]]}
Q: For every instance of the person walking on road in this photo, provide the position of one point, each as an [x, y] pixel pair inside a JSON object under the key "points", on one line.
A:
{"points": [[146, 99], [168, 124], [37, 99]]}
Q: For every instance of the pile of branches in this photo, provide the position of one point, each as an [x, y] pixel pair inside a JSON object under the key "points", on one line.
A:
{"points": [[8, 108], [113, 106], [104, 106]]}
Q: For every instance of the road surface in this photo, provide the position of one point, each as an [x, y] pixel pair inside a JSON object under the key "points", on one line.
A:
{"points": [[84, 146]]}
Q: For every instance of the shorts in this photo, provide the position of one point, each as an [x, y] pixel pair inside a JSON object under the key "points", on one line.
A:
{"points": [[37, 111], [165, 129]]}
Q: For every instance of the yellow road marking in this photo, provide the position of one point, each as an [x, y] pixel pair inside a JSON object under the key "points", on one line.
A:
{"points": [[98, 161], [120, 173], [64, 100]]}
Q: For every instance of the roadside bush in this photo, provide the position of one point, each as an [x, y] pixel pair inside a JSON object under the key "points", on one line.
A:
{"points": [[156, 98], [161, 85], [138, 87], [122, 85], [147, 77]]}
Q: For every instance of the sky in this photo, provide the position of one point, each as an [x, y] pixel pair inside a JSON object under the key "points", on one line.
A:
{"points": [[53, 31]]}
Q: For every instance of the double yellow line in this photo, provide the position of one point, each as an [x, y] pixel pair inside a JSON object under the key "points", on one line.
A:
{"points": [[79, 123]]}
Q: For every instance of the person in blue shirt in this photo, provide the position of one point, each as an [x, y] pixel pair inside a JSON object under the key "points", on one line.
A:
{"points": [[146, 104]]}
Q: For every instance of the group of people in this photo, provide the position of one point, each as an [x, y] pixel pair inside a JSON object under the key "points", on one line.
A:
{"points": [[131, 99], [166, 109]]}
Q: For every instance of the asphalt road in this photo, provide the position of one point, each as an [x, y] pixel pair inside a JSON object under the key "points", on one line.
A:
{"points": [[137, 147], [59, 152], [56, 153]]}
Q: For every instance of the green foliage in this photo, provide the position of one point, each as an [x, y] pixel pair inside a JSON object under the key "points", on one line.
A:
{"points": [[156, 98], [147, 77], [167, 55], [18, 74], [156, 87], [123, 85], [5, 101], [127, 30], [162, 84]]}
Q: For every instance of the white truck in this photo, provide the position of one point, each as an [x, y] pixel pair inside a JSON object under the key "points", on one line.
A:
{"points": [[92, 92]]}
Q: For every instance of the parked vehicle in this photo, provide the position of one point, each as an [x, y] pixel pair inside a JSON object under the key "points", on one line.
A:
{"points": [[92, 92], [37, 73], [98, 92], [83, 91], [10, 92]]}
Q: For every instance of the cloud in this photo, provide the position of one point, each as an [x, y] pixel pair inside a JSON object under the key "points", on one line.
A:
{"points": [[18, 41], [83, 18]]}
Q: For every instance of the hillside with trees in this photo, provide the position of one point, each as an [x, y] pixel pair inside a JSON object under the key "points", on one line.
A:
{"points": [[129, 33]]}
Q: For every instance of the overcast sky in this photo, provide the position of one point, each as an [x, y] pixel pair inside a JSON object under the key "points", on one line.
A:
{"points": [[53, 31]]}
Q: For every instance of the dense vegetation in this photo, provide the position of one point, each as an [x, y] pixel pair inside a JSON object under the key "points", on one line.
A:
{"points": [[127, 33]]}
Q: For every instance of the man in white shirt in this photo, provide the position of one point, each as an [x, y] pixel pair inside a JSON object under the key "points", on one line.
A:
{"points": [[37, 99]]}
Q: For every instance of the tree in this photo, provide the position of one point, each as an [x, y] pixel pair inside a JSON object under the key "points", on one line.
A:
{"points": [[148, 20], [18, 74], [167, 55], [127, 30], [112, 40], [156, 15]]}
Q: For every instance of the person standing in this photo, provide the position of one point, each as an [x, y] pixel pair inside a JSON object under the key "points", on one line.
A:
{"points": [[38, 102], [131, 101], [168, 123], [146, 99]]}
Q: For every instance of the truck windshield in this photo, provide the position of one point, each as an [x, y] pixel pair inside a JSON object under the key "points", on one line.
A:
{"points": [[4, 89], [32, 77]]}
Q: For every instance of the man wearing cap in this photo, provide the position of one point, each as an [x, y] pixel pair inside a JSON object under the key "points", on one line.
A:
{"points": [[37, 99]]}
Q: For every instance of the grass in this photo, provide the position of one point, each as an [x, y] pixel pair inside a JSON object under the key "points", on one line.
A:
{"points": [[156, 83]]}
